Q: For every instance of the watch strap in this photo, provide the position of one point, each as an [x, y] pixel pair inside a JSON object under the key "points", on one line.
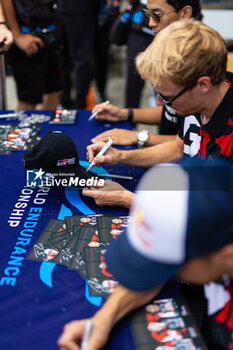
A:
{"points": [[6, 24], [130, 115]]}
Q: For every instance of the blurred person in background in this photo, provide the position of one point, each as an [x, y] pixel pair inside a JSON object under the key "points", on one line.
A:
{"points": [[140, 36], [6, 36], [108, 11], [84, 27], [78, 20], [32, 58]]}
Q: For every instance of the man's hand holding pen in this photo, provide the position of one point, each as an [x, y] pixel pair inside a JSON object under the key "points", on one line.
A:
{"points": [[111, 157]]}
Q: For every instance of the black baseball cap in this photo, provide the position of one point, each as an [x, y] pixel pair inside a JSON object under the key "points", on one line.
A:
{"points": [[55, 153]]}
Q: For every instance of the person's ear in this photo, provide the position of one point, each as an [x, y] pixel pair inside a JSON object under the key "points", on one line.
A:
{"points": [[204, 84], [227, 256], [186, 12]]}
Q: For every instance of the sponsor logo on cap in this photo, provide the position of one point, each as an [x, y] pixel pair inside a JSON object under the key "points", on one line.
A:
{"points": [[64, 162]]}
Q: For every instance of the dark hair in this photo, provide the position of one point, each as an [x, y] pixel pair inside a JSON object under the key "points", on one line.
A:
{"points": [[195, 4]]}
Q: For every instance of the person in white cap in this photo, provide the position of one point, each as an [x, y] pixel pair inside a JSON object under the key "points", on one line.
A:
{"points": [[181, 226]]}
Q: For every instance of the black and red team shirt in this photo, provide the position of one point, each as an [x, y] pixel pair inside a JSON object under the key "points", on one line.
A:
{"points": [[218, 330], [214, 139]]}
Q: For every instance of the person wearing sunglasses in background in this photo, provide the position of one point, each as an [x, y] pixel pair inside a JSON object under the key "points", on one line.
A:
{"points": [[159, 13]]}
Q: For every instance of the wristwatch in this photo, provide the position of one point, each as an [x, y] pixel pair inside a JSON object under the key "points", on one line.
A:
{"points": [[142, 137]]}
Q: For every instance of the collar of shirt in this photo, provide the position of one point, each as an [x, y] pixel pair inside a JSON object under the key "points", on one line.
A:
{"points": [[222, 114]]}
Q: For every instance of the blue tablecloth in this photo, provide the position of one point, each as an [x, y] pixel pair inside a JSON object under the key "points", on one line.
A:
{"points": [[37, 299]]}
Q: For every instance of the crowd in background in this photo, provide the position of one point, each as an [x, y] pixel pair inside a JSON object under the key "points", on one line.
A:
{"points": [[71, 44]]}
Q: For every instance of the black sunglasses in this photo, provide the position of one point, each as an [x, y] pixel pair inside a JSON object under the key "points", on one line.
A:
{"points": [[156, 16], [168, 100]]}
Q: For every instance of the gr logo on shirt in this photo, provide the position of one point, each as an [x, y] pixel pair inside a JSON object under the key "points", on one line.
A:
{"points": [[192, 138]]}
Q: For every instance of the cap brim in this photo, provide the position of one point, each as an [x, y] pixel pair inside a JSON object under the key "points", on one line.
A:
{"points": [[134, 271]]}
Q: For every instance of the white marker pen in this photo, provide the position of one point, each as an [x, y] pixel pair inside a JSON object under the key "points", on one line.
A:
{"points": [[86, 335], [95, 114], [101, 152]]}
